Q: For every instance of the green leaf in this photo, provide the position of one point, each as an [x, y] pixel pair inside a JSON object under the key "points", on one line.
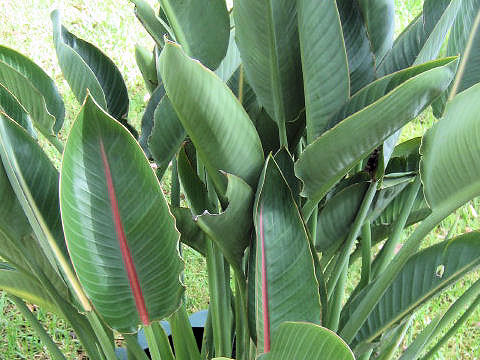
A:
{"points": [[324, 63], [338, 215], [231, 229], [202, 27], [332, 155], [34, 89], [26, 287], [201, 100], [307, 341], [381, 87], [267, 37], [147, 65], [146, 15], [86, 67], [120, 233], [283, 257], [190, 232], [408, 291], [166, 135], [450, 155], [15, 111], [232, 60], [422, 40], [463, 40], [361, 60], [148, 118], [380, 22], [34, 180]]}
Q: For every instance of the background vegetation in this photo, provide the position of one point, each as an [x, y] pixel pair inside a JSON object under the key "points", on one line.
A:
{"points": [[110, 25]]}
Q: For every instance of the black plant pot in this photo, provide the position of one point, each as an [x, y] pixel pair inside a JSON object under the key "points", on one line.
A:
{"points": [[197, 321]]}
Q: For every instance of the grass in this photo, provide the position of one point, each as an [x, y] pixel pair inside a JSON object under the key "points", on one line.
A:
{"points": [[111, 25]]}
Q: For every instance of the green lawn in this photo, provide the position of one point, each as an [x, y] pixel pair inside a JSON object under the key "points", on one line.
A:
{"points": [[25, 26]]}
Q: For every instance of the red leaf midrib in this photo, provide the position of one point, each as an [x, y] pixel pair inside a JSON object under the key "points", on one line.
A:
{"points": [[122, 241]]}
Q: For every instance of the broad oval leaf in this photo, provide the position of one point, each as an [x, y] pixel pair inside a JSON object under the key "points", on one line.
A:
{"points": [[202, 27], [306, 341], [330, 157], [34, 89], [451, 155], [120, 233], [286, 286], [324, 63], [420, 280], [267, 37], [86, 67], [216, 122]]}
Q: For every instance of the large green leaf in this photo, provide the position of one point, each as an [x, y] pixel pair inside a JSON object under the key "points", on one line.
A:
{"points": [[381, 87], [34, 180], [15, 111], [305, 341], [425, 275], [34, 89], [202, 27], [361, 60], [86, 67], [120, 233], [380, 22], [330, 157], [216, 122], [451, 155], [232, 60], [190, 232], [267, 37], [286, 286], [231, 229], [422, 40], [324, 63]]}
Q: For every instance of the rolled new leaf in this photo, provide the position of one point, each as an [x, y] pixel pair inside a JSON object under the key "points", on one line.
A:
{"points": [[327, 159], [216, 122], [297, 340], [286, 286], [202, 27], [120, 233], [86, 67], [34, 89]]}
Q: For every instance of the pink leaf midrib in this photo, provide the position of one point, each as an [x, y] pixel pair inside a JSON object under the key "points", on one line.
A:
{"points": [[266, 315], [122, 241]]}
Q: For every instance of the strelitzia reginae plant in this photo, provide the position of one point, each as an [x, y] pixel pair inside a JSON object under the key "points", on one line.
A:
{"points": [[281, 121]]}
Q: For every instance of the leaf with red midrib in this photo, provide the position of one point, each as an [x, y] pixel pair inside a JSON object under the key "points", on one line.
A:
{"points": [[286, 287], [266, 317], [122, 241], [120, 233]]}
